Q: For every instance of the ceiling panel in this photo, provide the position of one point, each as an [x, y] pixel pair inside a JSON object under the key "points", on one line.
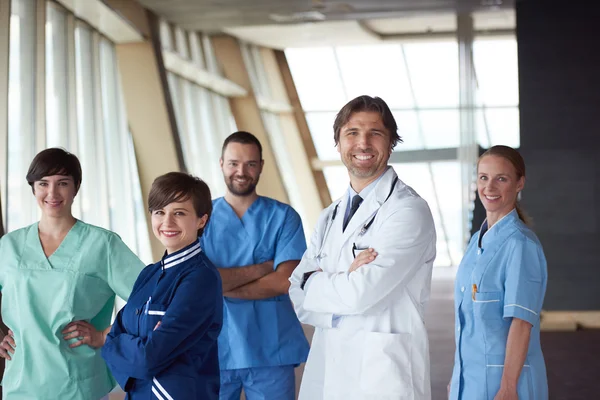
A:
{"points": [[216, 15]]}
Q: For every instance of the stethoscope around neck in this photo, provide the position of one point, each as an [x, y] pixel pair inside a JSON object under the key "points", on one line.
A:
{"points": [[364, 228]]}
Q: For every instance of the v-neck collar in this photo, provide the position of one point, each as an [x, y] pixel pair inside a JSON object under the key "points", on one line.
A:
{"points": [[35, 251], [249, 210]]}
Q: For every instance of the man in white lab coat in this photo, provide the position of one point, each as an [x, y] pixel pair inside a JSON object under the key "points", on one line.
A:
{"points": [[365, 278]]}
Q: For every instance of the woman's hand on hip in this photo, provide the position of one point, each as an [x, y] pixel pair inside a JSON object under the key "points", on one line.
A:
{"points": [[8, 345], [85, 333]]}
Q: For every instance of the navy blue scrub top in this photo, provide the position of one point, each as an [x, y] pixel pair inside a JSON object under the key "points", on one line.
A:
{"points": [[178, 359]]}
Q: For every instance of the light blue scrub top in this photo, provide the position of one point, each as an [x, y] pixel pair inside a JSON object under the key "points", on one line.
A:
{"points": [[509, 268], [257, 333]]}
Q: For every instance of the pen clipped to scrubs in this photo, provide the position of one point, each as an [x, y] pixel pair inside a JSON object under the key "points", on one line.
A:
{"points": [[474, 291]]}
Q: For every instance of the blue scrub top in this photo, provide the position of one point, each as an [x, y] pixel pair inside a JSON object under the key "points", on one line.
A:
{"points": [[257, 333], [178, 359], [508, 268]]}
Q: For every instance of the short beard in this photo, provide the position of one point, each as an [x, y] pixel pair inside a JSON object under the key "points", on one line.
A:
{"points": [[359, 172], [362, 173], [241, 193]]}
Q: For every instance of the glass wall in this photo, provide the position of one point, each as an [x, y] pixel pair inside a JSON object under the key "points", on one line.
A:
{"points": [[420, 83], [204, 117], [273, 124], [84, 113], [21, 113]]}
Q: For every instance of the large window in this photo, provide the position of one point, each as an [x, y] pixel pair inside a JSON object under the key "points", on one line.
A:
{"points": [[279, 139], [204, 117], [420, 83], [21, 113], [84, 113]]}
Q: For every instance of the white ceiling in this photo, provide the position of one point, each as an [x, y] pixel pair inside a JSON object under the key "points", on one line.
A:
{"points": [[214, 15], [300, 23]]}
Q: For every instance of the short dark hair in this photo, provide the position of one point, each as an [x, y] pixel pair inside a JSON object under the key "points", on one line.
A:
{"points": [[54, 161], [178, 187], [367, 103], [242, 137]]}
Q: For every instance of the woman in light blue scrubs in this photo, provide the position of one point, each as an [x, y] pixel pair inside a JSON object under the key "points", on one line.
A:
{"points": [[499, 291]]}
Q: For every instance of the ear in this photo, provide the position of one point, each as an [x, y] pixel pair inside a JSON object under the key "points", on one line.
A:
{"points": [[337, 146], [262, 164], [221, 162], [202, 221], [520, 184]]}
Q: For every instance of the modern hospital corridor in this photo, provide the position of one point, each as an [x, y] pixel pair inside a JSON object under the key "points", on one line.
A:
{"points": [[484, 108]]}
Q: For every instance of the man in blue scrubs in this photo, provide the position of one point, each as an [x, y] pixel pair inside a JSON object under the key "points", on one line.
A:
{"points": [[255, 242]]}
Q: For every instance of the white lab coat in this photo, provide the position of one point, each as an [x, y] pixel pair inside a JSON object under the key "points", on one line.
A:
{"points": [[379, 349]]}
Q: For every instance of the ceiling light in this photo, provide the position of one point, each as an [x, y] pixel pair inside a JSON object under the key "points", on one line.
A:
{"points": [[308, 16]]}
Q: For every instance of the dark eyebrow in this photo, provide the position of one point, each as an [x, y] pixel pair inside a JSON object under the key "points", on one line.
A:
{"points": [[60, 180]]}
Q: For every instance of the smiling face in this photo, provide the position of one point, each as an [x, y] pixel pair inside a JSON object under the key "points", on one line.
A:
{"points": [[498, 185], [55, 195], [365, 147], [176, 225], [241, 166]]}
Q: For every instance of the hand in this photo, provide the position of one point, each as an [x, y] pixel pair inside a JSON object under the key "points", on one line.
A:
{"points": [[365, 257], [86, 333], [8, 345], [506, 394]]}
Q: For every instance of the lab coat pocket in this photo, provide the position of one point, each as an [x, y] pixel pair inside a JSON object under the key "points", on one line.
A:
{"points": [[385, 368], [493, 374]]}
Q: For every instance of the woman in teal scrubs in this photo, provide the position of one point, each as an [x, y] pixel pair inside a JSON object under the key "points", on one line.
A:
{"points": [[499, 291], [59, 278]]}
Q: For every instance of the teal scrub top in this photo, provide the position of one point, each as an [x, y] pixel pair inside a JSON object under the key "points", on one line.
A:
{"points": [[40, 296], [502, 276], [257, 333]]}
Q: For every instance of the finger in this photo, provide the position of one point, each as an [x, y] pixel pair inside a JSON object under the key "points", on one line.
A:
{"points": [[70, 327], [11, 333], [72, 335], [10, 340], [76, 325], [4, 354], [367, 253], [7, 347], [369, 257], [79, 343]]}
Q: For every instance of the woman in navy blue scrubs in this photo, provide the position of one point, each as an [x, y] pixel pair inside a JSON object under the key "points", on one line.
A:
{"points": [[163, 343]]}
